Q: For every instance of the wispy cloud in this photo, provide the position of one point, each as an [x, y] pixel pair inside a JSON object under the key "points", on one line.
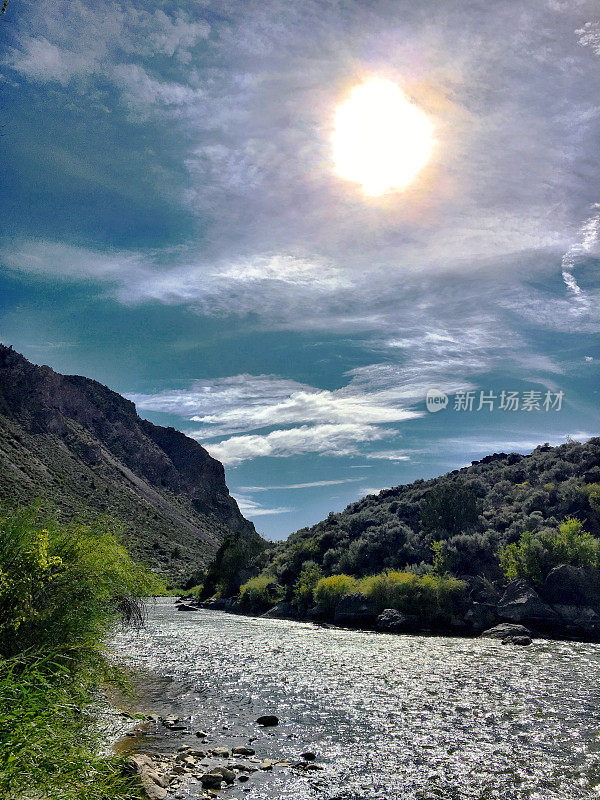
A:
{"points": [[311, 485], [250, 508], [333, 440]]}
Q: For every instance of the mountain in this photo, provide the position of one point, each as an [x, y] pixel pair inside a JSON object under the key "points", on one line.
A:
{"points": [[472, 512], [74, 442]]}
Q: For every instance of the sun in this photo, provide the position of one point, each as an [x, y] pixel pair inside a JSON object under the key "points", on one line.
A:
{"points": [[381, 139]]}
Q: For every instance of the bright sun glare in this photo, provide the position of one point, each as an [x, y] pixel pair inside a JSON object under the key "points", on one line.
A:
{"points": [[381, 140]]}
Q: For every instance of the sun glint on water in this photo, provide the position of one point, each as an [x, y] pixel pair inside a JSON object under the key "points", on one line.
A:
{"points": [[381, 139]]}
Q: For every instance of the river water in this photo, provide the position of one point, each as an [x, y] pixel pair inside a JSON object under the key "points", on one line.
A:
{"points": [[389, 717]]}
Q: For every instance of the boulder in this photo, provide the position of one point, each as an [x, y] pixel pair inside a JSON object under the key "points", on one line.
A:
{"points": [[355, 610], [506, 629], [392, 621], [283, 610], [221, 752], [566, 585], [520, 603]]}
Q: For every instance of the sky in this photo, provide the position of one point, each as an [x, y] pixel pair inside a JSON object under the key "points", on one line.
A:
{"points": [[172, 225]]}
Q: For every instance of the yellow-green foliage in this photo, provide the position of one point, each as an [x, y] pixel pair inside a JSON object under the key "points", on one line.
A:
{"points": [[30, 571], [536, 553], [61, 589], [593, 492], [329, 591], [61, 586], [429, 597], [260, 593]]}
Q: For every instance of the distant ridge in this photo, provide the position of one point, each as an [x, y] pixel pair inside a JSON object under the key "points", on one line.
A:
{"points": [[76, 443]]}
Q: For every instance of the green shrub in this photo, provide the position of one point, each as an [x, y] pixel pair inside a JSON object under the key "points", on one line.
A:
{"points": [[63, 586], [329, 591], [260, 593], [304, 588], [537, 552], [430, 597]]}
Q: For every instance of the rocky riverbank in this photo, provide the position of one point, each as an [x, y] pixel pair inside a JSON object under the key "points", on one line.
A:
{"points": [[201, 770], [565, 606]]}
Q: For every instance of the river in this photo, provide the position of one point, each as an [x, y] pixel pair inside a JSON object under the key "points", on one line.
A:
{"points": [[389, 717]]}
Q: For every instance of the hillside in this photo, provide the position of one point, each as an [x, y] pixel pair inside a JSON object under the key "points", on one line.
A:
{"points": [[77, 444], [473, 512]]}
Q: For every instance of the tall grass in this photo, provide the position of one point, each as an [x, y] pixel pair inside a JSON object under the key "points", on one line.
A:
{"points": [[62, 590]]}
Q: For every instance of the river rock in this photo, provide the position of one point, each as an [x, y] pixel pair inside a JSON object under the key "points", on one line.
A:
{"points": [[355, 610], [242, 750], [506, 629], [152, 782], [221, 752], [520, 603], [523, 641], [566, 585], [211, 780], [268, 720], [392, 621], [227, 774], [243, 778], [309, 755], [186, 607]]}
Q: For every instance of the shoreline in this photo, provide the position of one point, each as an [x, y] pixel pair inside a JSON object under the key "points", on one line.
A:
{"points": [[459, 631]]}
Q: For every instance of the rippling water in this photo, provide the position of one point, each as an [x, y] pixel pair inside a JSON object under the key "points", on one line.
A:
{"points": [[389, 716]]}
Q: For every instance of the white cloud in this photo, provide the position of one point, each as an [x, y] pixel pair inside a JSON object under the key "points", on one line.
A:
{"points": [[311, 485], [68, 262], [388, 455], [250, 508], [335, 440], [248, 402], [97, 37]]}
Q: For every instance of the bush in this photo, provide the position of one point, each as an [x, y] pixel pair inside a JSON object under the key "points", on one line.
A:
{"points": [[304, 588], [430, 597], [537, 552], [61, 587], [329, 591], [260, 593]]}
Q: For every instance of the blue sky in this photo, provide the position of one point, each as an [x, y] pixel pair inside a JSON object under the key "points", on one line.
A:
{"points": [[172, 226]]}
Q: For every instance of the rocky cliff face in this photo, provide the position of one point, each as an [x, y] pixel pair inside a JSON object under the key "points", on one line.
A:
{"points": [[73, 442]]}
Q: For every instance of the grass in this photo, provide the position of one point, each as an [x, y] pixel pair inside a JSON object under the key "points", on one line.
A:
{"points": [[62, 591]]}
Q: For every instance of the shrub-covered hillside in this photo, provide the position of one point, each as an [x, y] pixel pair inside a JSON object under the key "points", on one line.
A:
{"points": [[460, 520]]}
